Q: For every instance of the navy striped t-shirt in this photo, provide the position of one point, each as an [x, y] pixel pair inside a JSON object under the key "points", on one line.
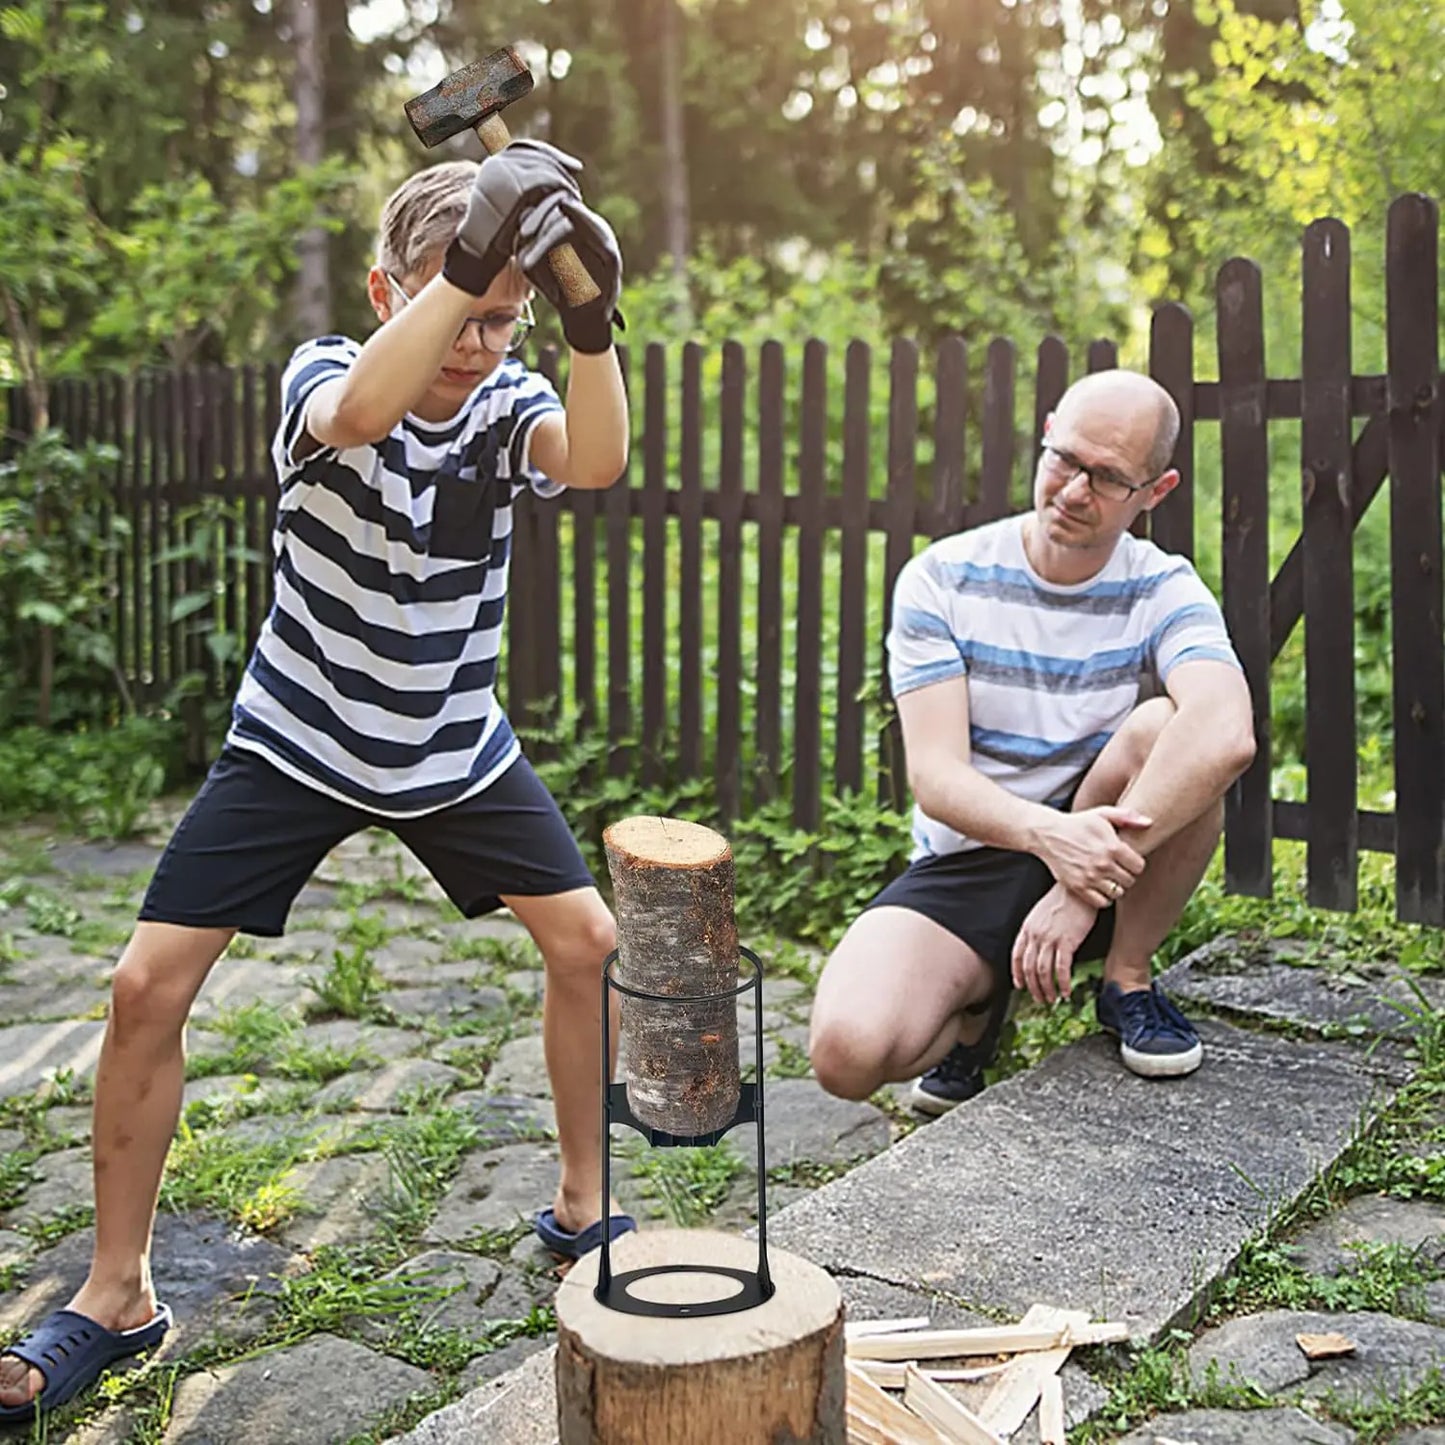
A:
{"points": [[373, 676]]}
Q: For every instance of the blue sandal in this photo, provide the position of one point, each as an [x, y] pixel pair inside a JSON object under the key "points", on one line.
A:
{"points": [[71, 1351], [573, 1246]]}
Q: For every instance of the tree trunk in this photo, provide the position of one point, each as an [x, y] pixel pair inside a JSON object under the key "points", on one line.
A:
{"points": [[763, 1376], [676, 935], [676, 208], [313, 285]]}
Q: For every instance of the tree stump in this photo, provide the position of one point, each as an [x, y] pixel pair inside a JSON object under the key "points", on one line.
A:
{"points": [[764, 1375], [676, 935]]}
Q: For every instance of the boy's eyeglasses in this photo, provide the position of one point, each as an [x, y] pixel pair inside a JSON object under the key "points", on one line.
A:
{"points": [[501, 332], [1102, 481]]}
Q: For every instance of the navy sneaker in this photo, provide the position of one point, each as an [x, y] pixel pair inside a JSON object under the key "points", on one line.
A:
{"points": [[1155, 1039], [958, 1075]]}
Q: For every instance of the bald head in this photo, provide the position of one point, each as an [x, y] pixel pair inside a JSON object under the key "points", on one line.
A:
{"points": [[1133, 403]]}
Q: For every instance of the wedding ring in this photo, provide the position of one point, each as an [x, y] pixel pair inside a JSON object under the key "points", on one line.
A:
{"points": [[1115, 889]]}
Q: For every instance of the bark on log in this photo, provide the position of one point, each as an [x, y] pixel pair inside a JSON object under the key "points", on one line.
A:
{"points": [[676, 935], [759, 1377]]}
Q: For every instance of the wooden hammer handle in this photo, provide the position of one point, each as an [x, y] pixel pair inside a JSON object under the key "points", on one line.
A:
{"points": [[572, 276]]}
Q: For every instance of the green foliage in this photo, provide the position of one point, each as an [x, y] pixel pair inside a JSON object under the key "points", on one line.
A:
{"points": [[351, 984], [100, 782], [56, 554], [193, 265]]}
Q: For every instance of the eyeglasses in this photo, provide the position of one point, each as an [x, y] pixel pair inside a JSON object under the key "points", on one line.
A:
{"points": [[500, 331], [1103, 481]]}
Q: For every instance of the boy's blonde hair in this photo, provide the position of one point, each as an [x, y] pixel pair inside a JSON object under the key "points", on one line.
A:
{"points": [[421, 216]]}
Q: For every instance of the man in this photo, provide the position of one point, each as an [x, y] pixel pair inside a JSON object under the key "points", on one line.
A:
{"points": [[1058, 816], [369, 698]]}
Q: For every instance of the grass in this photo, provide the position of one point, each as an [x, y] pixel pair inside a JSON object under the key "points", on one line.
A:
{"points": [[245, 1182], [688, 1185], [262, 1039], [351, 985]]}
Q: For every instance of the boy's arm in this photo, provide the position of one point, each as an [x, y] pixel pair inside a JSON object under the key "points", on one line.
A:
{"points": [[401, 359], [392, 372], [585, 446]]}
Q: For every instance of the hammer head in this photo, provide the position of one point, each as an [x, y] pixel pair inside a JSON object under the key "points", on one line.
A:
{"points": [[468, 95]]}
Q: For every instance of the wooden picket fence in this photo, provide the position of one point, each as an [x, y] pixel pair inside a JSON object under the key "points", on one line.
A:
{"points": [[720, 612]]}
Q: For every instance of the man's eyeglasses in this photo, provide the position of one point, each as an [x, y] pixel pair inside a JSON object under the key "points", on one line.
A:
{"points": [[500, 331], [1104, 482]]}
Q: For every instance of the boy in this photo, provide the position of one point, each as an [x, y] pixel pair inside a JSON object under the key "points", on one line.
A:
{"points": [[369, 697]]}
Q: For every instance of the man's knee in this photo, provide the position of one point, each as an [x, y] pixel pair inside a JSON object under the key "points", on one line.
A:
{"points": [[846, 1059]]}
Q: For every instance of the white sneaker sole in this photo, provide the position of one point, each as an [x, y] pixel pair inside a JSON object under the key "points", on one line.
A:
{"points": [[922, 1102], [1161, 1066]]}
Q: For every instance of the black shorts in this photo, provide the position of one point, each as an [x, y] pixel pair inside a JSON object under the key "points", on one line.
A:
{"points": [[254, 836], [982, 896]]}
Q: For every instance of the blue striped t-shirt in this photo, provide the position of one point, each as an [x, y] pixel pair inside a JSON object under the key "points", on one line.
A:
{"points": [[1052, 671], [373, 676]]}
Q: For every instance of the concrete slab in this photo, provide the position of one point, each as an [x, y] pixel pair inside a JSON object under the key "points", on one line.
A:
{"points": [[1085, 1187]]}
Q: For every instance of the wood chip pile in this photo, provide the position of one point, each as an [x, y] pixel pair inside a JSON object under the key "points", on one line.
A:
{"points": [[1020, 1375]]}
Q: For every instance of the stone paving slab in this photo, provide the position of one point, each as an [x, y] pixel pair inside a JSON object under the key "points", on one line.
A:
{"points": [[1368, 998], [29, 1053], [62, 1180], [236, 982], [320, 1392], [1085, 1187], [1413, 1224], [519, 1408], [56, 996], [340, 1198], [218, 1281], [1392, 1355], [495, 1191], [383, 1092], [1245, 1427]]}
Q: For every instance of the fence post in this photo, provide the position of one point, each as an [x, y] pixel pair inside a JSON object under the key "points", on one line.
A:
{"points": [[1051, 381], [950, 418], [1171, 364], [1244, 452], [618, 510], [901, 506], [767, 700], [654, 565], [1326, 481], [726, 759], [1413, 307], [852, 608], [808, 666], [996, 470], [691, 631]]}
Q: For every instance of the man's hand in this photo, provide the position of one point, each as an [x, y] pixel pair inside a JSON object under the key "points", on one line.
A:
{"points": [[1043, 953], [561, 217], [1085, 853], [507, 185]]}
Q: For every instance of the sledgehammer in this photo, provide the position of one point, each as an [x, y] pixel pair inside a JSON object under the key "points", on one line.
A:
{"points": [[473, 98]]}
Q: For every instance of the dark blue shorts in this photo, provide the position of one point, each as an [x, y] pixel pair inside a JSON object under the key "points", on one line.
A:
{"points": [[982, 896], [254, 836]]}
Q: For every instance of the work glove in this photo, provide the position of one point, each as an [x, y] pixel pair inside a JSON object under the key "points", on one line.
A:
{"points": [[506, 186], [562, 216]]}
